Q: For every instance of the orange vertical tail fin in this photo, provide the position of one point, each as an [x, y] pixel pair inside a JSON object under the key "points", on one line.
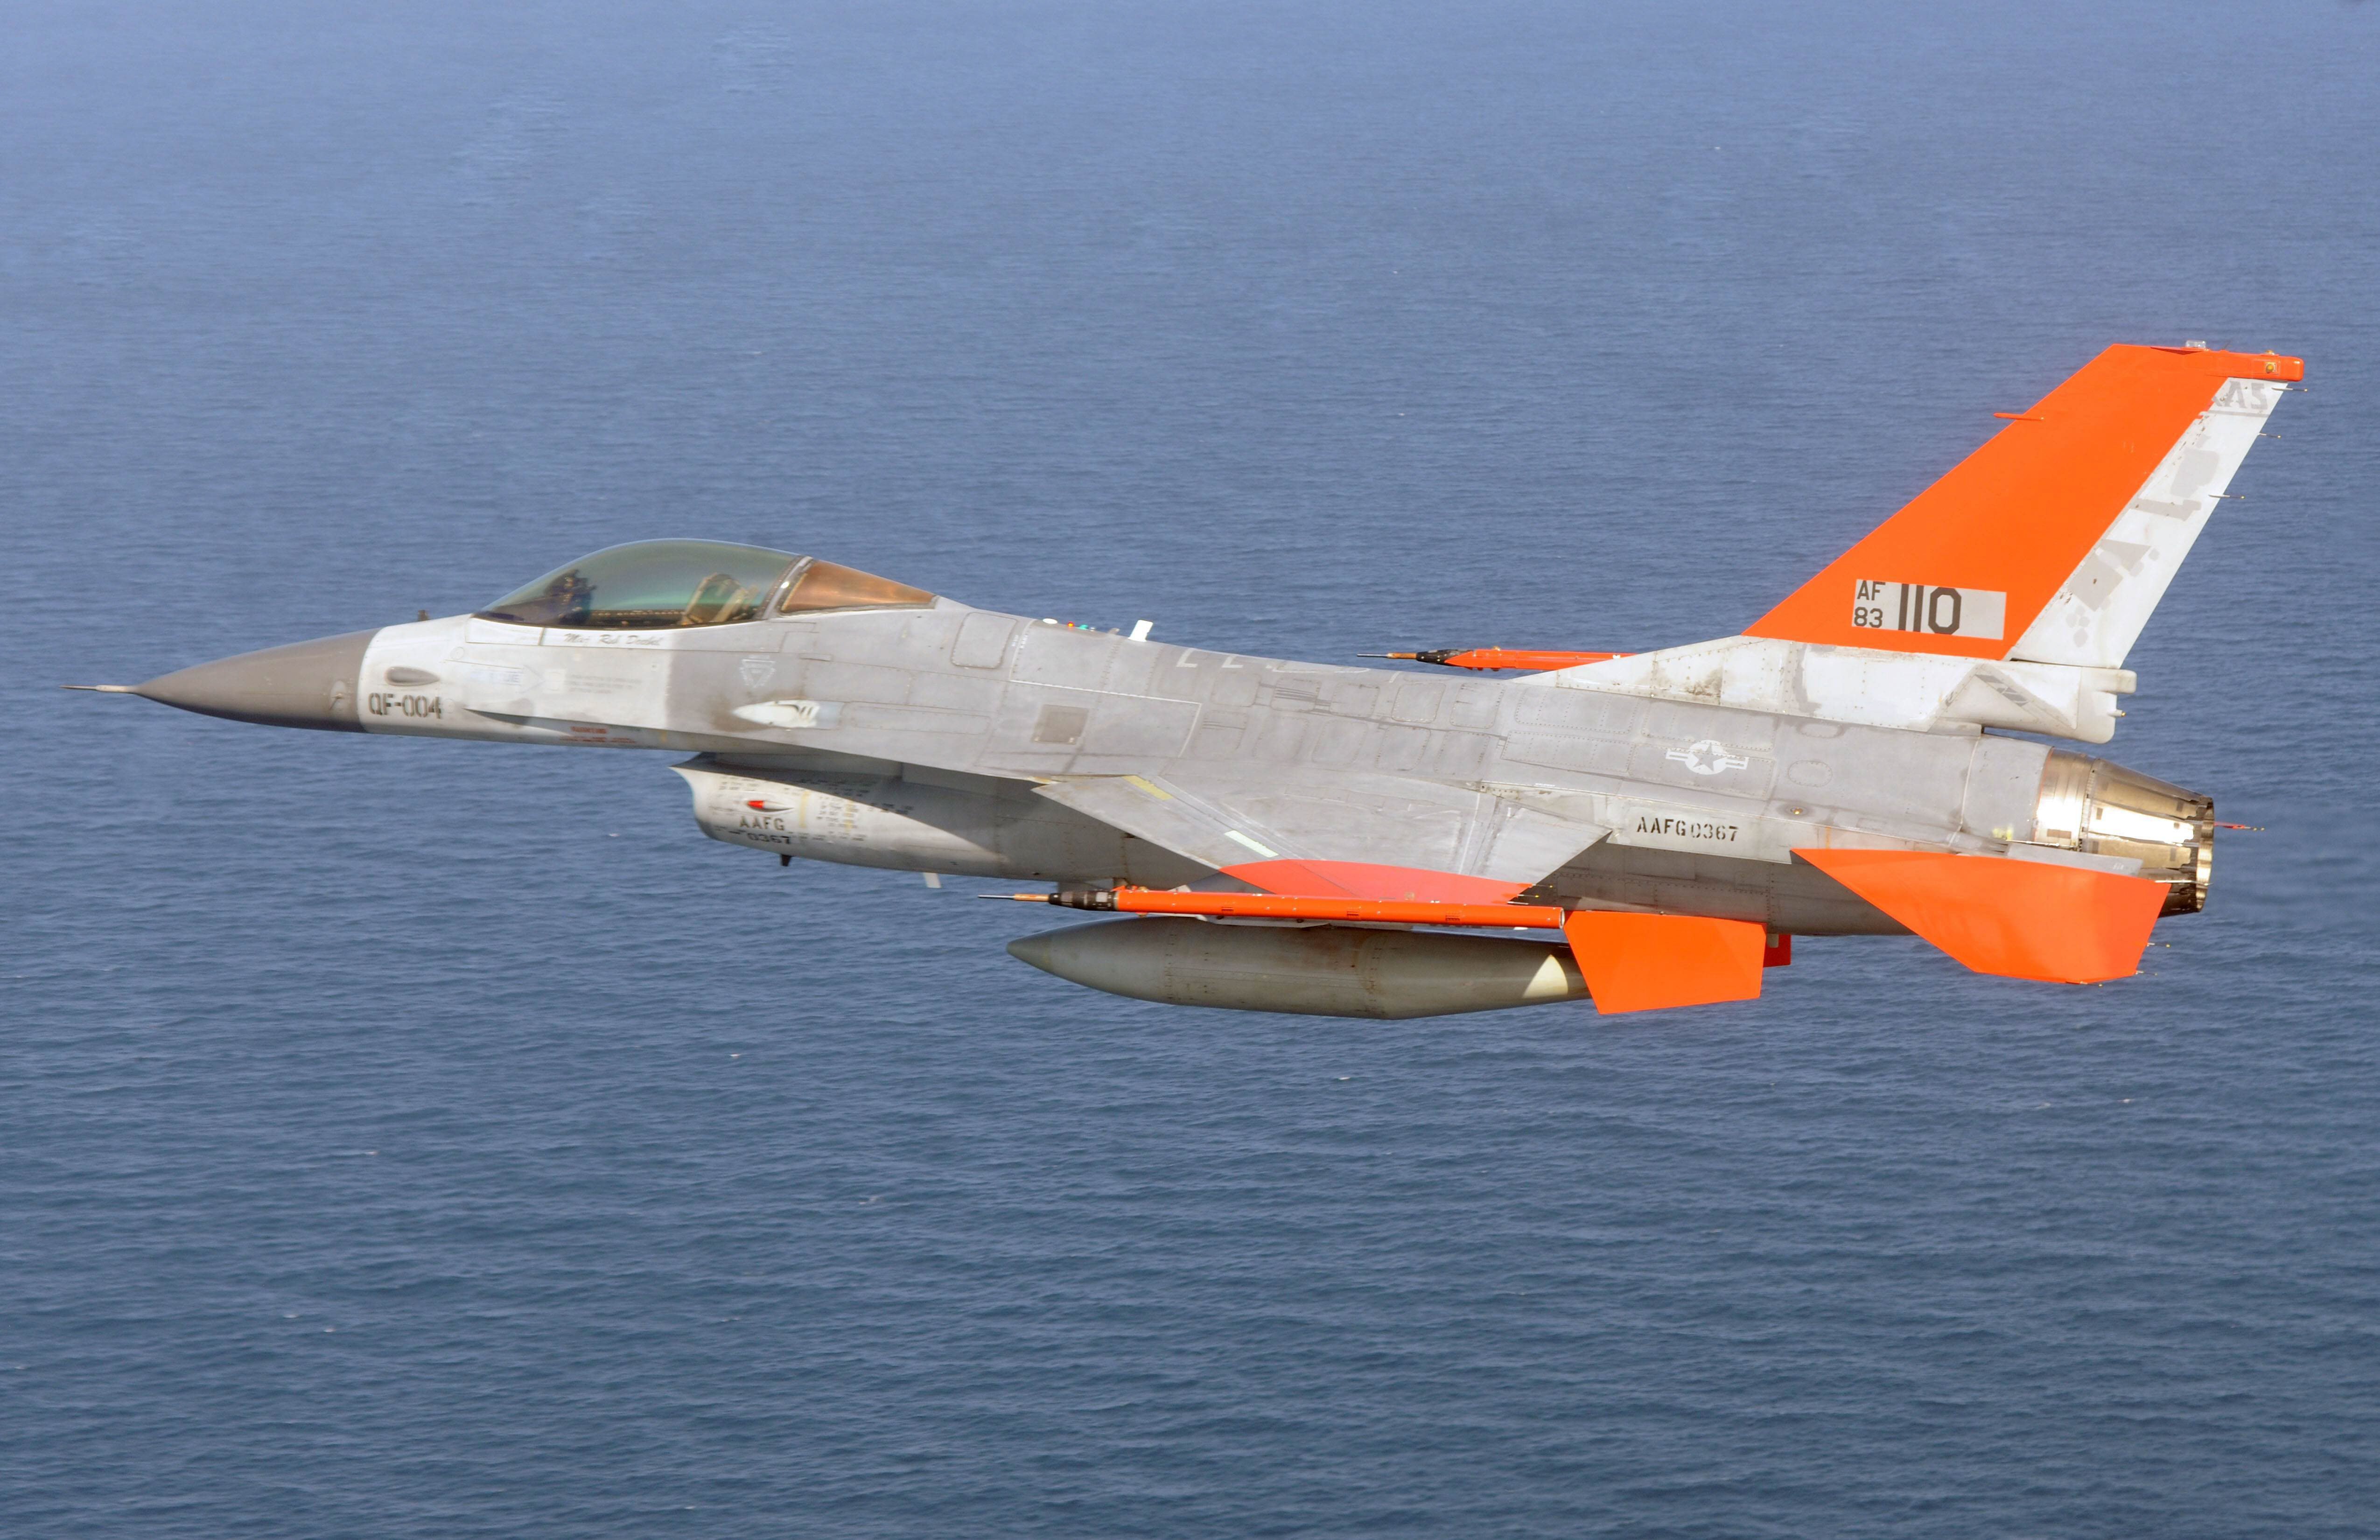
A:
{"points": [[2084, 504]]}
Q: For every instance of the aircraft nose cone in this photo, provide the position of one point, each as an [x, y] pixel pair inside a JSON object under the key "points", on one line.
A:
{"points": [[303, 684]]}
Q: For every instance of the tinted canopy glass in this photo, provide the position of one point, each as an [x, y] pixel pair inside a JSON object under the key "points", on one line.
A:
{"points": [[655, 584], [650, 585], [817, 584]]}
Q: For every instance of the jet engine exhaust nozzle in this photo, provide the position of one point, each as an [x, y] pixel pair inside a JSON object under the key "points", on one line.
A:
{"points": [[2101, 808]]}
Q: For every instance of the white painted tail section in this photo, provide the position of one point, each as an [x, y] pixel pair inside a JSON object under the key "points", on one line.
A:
{"points": [[1867, 685], [2041, 531], [2098, 613]]}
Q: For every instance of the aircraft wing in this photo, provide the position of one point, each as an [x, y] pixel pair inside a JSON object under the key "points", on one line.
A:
{"points": [[1338, 833]]}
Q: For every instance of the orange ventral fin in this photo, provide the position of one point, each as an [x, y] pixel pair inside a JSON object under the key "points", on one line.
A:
{"points": [[2019, 919], [1968, 565], [1364, 880], [1655, 961]]}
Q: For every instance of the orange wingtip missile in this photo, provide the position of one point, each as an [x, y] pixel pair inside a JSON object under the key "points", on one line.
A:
{"points": [[1490, 659]]}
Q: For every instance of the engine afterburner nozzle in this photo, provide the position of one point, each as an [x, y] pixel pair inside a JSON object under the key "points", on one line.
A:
{"points": [[303, 684]]}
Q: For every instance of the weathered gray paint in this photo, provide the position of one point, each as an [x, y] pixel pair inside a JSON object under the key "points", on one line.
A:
{"points": [[959, 740], [1086, 757], [303, 684], [1325, 970]]}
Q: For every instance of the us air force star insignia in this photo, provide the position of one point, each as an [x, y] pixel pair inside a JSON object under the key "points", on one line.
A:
{"points": [[1707, 757]]}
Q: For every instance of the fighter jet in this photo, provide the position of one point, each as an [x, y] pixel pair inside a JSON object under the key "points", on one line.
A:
{"points": [[1642, 830]]}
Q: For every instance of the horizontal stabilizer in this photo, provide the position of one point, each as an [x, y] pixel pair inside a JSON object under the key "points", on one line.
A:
{"points": [[2019, 919], [2080, 509], [1655, 961]]}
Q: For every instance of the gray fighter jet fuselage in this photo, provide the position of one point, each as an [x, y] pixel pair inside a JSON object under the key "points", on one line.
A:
{"points": [[960, 741]]}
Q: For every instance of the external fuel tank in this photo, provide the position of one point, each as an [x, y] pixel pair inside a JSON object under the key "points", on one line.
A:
{"points": [[1309, 970]]}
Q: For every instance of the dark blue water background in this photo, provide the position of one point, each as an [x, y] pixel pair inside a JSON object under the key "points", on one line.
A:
{"points": [[411, 1139]]}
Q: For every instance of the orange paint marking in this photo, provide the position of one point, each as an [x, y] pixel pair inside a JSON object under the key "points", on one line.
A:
{"points": [[2018, 515], [2019, 919], [1364, 880], [1144, 901], [1656, 962], [1491, 659]]}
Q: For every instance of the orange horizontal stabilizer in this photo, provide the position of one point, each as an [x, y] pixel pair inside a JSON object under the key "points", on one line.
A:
{"points": [[1968, 565], [2020, 919], [1653, 962]]}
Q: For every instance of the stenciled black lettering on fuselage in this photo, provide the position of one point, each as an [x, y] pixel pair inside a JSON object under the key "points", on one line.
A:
{"points": [[414, 706], [1685, 828]]}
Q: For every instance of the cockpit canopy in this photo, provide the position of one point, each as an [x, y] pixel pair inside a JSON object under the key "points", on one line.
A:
{"points": [[663, 585]]}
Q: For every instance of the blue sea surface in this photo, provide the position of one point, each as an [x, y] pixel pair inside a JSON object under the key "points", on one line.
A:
{"points": [[416, 1139]]}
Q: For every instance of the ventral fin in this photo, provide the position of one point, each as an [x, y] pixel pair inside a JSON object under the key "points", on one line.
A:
{"points": [[1658, 962]]}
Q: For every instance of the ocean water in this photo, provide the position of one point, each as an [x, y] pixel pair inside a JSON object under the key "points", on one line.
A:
{"points": [[413, 1139]]}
